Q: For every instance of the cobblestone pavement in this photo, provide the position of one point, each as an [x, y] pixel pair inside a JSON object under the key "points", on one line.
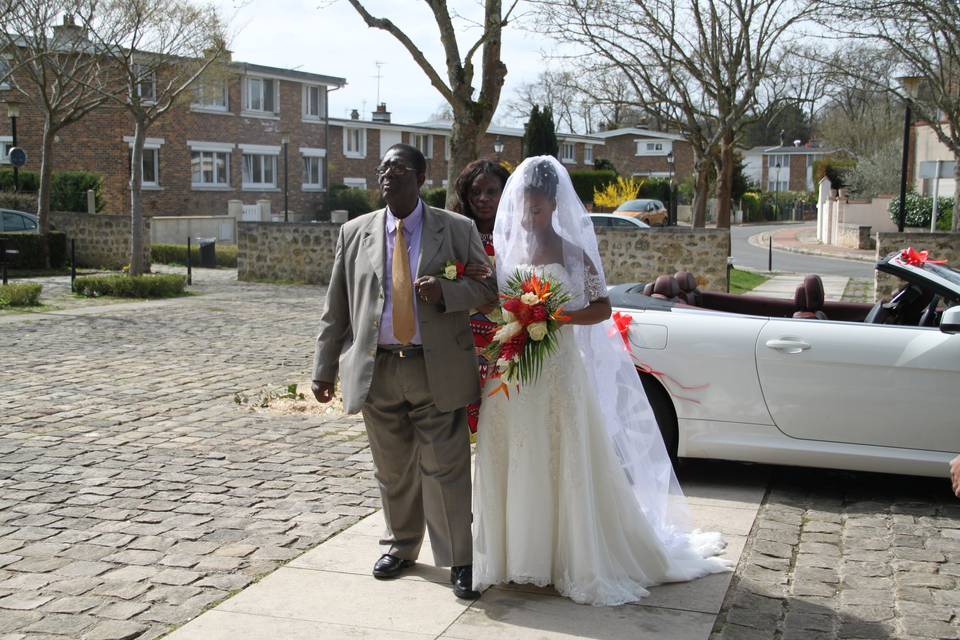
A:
{"points": [[848, 555], [859, 290], [134, 491]]}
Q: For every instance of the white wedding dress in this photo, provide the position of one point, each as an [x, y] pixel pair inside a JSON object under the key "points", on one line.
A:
{"points": [[552, 503]]}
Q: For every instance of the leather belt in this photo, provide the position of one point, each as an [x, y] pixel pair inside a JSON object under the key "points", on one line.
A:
{"points": [[401, 350]]}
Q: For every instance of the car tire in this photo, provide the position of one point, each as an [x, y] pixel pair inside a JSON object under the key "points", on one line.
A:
{"points": [[665, 414]]}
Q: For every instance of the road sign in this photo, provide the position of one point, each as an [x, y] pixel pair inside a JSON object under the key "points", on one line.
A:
{"points": [[18, 157]]}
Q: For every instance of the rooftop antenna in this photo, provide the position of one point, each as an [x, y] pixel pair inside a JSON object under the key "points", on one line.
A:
{"points": [[378, 77]]}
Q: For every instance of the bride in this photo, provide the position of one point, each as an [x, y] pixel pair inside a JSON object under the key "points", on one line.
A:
{"points": [[573, 486]]}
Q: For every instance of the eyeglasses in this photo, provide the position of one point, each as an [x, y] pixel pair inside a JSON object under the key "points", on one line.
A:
{"points": [[398, 169]]}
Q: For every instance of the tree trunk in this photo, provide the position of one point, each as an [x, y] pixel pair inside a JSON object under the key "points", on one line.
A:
{"points": [[43, 196], [464, 141], [725, 182], [136, 200], [955, 223], [701, 168]]}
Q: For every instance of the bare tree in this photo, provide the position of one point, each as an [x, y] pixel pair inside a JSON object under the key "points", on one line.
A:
{"points": [[472, 112], [55, 70], [160, 49], [694, 64], [560, 91], [923, 36]]}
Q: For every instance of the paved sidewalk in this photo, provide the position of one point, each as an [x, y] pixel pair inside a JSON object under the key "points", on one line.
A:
{"points": [[329, 593], [803, 239], [785, 285]]}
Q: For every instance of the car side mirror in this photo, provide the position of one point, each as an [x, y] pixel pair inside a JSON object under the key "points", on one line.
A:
{"points": [[950, 320]]}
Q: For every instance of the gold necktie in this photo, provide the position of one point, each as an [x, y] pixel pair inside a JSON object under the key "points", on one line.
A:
{"points": [[403, 327]]}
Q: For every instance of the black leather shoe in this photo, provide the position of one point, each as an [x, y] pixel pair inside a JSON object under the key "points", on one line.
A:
{"points": [[462, 580], [389, 566]]}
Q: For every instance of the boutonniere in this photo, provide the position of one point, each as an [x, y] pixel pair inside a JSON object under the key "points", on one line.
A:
{"points": [[452, 270]]}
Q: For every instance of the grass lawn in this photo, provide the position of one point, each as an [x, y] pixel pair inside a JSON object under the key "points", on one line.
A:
{"points": [[743, 281]]}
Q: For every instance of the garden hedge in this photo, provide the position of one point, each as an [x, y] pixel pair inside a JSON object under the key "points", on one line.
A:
{"points": [[124, 286]]}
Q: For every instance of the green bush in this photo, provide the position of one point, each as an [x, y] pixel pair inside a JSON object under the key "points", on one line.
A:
{"points": [[656, 189], [834, 168], [602, 164], [19, 295], [30, 250], [435, 197], [587, 181], [750, 202], [18, 201], [124, 286], [919, 208], [177, 254], [68, 190], [355, 201], [29, 180]]}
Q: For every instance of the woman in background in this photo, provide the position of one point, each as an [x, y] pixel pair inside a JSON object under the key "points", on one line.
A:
{"points": [[479, 187]]}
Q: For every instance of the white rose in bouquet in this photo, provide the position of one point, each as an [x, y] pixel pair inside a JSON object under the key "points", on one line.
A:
{"points": [[530, 299], [507, 331], [537, 330], [450, 272]]}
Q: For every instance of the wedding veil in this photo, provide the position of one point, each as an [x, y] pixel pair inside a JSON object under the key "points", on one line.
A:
{"points": [[628, 419]]}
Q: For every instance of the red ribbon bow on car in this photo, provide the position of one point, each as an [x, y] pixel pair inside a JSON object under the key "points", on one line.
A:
{"points": [[621, 325], [917, 258]]}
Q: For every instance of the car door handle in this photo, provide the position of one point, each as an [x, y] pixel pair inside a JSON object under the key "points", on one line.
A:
{"points": [[788, 345]]}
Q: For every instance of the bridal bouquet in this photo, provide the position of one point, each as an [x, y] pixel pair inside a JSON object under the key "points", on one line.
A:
{"points": [[526, 331]]}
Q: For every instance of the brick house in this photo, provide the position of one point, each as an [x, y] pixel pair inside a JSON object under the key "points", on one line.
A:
{"points": [[224, 142], [790, 168]]}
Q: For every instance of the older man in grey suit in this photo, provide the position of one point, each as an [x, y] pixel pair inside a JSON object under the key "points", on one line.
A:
{"points": [[404, 353]]}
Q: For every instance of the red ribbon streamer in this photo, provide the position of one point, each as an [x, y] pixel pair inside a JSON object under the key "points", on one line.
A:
{"points": [[621, 325], [917, 258]]}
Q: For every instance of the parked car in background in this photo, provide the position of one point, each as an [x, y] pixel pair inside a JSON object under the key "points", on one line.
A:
{"points": [[11, 220], [608, 220], [650, 211], [807, 382]]}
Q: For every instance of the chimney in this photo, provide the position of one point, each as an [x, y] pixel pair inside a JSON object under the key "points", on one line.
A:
{"points": [[68, 33], [381, 114], [354, 114]]}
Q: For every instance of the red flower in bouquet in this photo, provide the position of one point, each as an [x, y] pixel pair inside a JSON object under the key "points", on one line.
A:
{"points": [[531, 314]]}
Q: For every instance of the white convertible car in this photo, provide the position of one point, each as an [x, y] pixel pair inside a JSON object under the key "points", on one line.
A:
{"points": [[803, 382]]}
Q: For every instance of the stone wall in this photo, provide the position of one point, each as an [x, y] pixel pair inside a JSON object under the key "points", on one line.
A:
{"points": [[286, 251], [103, 241], [941, 246], [640, 256], [855, 236], [303, 252]]}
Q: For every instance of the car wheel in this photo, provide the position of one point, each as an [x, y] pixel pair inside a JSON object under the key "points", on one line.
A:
{"points": [[664, 412]]}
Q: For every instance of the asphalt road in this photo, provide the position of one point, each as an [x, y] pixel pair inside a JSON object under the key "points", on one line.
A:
{"points": [[747, 255]]}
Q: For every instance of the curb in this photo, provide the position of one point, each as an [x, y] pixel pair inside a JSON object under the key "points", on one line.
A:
{"points": [[760, 241]]}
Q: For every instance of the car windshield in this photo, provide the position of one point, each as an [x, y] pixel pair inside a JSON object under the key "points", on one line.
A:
{"points": [[634, 205]]}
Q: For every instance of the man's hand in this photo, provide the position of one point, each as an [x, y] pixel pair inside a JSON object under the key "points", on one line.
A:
{"points": [[428, 290], [322, 391], [955, 475], [478, 271]]}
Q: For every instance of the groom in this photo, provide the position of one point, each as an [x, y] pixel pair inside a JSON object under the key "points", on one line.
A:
{"points": [[399, 336]]}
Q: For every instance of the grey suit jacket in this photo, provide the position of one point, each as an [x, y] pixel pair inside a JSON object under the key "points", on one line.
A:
{"points": [[350, 324]]}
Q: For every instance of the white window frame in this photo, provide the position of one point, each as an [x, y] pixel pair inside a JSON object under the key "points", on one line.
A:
{"points": [[355, 183], [588, 154], [446, 148], [568, 152], [773, 182], [648, 147], [6, 143], [144, 78], [772, 160], [212, 147], [5, 59], [262, 151], [203, 86], [150, 145], [321, 107], [361, 152], [424, 139], [310, 154], [261, 111]]}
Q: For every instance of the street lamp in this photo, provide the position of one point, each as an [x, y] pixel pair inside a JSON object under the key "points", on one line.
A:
{"points": [[911, 85], [285, 139], [672, 212], [13, 110], [498, 147]]}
